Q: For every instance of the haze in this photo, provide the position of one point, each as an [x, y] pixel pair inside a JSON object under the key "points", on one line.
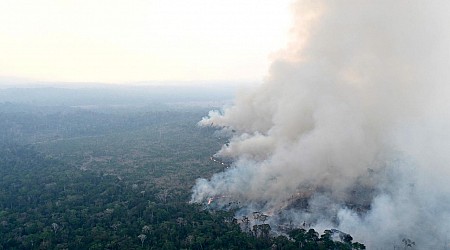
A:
{"points": [[127, 41]]}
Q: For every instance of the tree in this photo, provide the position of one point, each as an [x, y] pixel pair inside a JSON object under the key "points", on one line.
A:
{"points": [[299, 236], [146, 229], [408, 243], [142, 237], [55, 227], [327, 240]]}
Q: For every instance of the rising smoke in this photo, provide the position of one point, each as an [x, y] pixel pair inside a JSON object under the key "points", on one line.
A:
{"points": [[350, 130]]}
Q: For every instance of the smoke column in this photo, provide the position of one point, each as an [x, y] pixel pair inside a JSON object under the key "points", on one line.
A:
{"points": [[354, 119]]}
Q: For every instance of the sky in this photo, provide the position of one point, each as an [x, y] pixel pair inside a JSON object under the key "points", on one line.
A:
{"points": [[118, 41]]}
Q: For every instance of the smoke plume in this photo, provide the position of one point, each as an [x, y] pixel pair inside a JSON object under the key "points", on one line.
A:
{"points": [[350, 130]]}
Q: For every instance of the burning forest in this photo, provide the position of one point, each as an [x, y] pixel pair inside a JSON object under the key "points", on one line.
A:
{"points": [[350, 128]]}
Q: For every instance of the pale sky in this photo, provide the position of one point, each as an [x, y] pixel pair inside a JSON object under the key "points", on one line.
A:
{"points": [[121, 41]]}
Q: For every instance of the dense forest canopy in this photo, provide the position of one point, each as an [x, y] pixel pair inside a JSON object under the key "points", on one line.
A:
{"points": [[80, 170]]}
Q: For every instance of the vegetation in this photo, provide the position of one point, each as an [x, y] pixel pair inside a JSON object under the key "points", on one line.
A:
{"points": [[75, 178]]}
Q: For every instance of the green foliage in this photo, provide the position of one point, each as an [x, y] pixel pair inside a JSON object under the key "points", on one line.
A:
{"points": [[119, 181]]}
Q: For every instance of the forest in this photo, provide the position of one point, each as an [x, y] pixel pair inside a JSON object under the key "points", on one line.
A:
{"points": [[80, 170]]}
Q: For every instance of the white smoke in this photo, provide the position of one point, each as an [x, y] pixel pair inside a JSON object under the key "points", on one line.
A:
{"points": [[354, 117]]}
